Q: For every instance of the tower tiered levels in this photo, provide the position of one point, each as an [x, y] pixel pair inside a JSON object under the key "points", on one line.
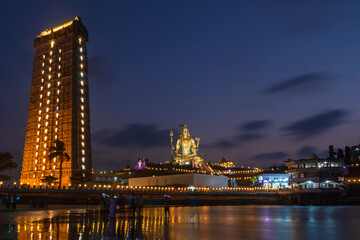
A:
{"points": [[59, 106]]}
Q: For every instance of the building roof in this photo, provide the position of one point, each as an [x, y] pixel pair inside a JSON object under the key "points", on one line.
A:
{"points": [[312, 156]]}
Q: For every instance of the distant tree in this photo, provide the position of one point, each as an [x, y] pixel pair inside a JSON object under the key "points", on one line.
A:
{"points": [[58, 151], [6, 163], [347, 157], [340, 153], [49, 179], [355, 153], [331, 151], [254, 180]]}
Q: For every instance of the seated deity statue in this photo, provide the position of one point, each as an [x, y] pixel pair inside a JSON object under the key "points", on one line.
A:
{"points": [[186, 147]]}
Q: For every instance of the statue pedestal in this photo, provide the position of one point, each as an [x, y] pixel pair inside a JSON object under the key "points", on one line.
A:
{"points": [[187, 161]]}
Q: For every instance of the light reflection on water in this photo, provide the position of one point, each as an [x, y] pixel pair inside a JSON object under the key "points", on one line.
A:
{"points": [[216, 222]]}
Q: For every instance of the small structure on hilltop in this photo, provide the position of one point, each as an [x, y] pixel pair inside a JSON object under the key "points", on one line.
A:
{"points": [[226, 164]]}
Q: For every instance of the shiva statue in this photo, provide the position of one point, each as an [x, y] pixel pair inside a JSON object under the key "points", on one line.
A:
{"points": [[185, 150]]}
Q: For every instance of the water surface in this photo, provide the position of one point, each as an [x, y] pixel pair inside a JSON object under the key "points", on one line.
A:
{"points": [[215, 222]]}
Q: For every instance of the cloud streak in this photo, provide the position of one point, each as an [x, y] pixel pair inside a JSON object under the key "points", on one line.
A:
{"points": [[249, 137], [134, 135], [316, 124], [298, 83], [255, 125], [280, 155]]}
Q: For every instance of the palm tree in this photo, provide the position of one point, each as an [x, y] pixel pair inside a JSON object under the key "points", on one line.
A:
{"points": [[58, 150]]}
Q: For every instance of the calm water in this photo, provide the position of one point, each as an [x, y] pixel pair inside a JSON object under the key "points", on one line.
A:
{"points": [[228, 222]]}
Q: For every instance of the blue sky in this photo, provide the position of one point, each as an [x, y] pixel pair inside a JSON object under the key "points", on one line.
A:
{"points": [[257, 81]]}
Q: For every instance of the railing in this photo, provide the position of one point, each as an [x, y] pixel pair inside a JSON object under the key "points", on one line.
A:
{"points": [[144, 189]]}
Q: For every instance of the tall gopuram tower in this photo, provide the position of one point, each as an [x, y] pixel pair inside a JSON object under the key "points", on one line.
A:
{"points": [[59, 106]]}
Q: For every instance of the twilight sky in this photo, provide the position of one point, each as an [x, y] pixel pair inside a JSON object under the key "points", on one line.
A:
{"points": [[257, 81]]}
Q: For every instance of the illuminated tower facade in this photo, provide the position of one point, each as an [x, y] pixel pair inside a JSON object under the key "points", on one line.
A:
{"points": [[59, 106]]}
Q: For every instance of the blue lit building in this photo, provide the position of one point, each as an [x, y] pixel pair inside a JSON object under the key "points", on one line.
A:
{"points": [[273, 180]]}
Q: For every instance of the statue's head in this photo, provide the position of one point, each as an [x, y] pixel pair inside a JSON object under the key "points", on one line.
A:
{"points": [[185, 131]]}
